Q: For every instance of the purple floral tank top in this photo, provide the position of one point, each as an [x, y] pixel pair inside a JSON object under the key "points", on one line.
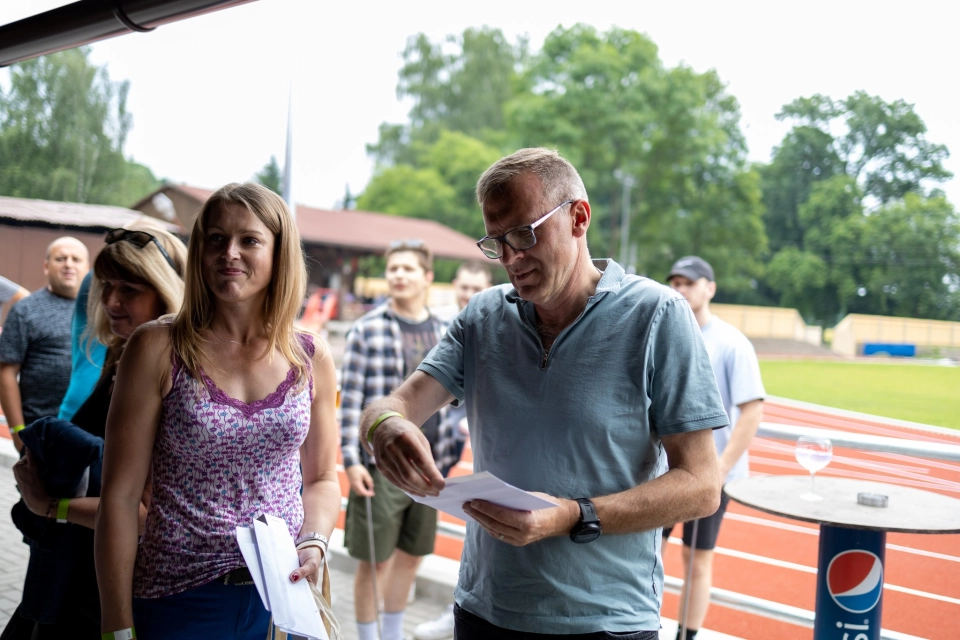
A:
{"points": [[218, 463]]}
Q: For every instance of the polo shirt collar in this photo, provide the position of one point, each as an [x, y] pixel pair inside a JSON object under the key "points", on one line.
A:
{"points": [[610, 281]]}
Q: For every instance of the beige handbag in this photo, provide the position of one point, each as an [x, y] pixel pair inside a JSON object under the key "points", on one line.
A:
{"points": [[324, 604]]}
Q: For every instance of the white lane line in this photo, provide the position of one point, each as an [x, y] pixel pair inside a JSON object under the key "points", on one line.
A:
{"points": [[922, 594], [816, 532], [783, 564], [805, 569], [927, 483]]}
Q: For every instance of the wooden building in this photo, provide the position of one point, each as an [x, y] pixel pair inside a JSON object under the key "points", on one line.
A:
{"points": [[28, 226]]}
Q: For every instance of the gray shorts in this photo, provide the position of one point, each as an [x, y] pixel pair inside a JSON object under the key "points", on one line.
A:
{"points": [[398, 523]]}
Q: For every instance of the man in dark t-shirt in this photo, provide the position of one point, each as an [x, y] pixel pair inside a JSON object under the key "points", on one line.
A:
{"points": [[383, 348], [35, 342]]}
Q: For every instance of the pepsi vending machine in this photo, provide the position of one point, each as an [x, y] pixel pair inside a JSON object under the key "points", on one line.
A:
{"points": [[849, 584]]}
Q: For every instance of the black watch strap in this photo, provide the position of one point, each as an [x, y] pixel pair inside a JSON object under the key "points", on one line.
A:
{"points": [[588, 512], [588, 527]]}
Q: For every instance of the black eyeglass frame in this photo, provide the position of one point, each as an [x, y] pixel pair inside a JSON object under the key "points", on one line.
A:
{"points": [[129, 235], [502, 240]]}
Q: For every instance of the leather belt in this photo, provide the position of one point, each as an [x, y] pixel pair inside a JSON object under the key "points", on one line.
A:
{"points": [[239, 577]]}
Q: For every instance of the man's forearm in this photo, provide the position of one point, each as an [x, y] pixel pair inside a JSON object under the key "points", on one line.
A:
{"points": [[690, 489], [10, 400], [676, 496]]}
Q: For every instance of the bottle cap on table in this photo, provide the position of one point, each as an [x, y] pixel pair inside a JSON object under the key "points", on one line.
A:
{"points": [[872, 499]]}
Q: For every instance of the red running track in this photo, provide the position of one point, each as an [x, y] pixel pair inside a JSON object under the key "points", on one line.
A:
{"points": [[775, 558]]}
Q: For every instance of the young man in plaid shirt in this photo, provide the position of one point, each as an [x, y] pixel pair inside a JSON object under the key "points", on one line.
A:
{"points": [[383, 348]]}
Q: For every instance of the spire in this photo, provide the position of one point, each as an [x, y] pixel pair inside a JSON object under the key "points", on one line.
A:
{"points": [[288, 159]]}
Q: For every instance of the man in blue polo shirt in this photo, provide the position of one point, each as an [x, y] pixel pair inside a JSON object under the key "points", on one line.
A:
{"points": [[579, 381]]}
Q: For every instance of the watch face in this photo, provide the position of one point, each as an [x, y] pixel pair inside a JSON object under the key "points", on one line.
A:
{"points": [[588, 533]]}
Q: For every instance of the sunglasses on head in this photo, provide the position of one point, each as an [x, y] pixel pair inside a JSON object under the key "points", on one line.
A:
{"points": [[413, 245], [139, 239]]}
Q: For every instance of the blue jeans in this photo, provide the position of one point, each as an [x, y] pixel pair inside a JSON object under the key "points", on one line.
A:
{"points": [[213, 611]]}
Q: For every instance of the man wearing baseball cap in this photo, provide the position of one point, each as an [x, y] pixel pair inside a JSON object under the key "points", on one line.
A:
{"points": [[741, 389]]}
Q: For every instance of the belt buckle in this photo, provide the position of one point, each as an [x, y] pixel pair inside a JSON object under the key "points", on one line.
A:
{"points": [[231, 578]]}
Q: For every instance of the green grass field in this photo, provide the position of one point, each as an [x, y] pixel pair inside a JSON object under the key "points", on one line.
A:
{"points": [[926, 394]]}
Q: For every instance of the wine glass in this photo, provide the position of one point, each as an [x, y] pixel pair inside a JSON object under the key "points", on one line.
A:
{"points": [[813, 454]]}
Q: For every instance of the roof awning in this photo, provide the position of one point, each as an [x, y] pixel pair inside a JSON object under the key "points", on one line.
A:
{"points": [[88, 21]]}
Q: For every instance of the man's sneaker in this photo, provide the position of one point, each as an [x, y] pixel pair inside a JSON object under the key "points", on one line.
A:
{"points": [[439, 628]]}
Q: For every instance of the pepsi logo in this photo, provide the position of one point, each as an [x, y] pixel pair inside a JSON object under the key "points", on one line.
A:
{"points": [[855, 580]]}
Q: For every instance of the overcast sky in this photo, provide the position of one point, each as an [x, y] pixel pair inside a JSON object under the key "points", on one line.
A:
{"points": [[209, 95]]}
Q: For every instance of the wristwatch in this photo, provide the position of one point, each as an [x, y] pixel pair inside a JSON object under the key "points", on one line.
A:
{"points": [[588, 528], [313, 536]]}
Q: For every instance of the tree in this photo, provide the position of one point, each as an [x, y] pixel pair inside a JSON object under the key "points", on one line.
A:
{"points": [[910, 259], [818, 274], [884, 146], [845, 194], [438, 184], [805, 156], [458, 84], [606, 102], [63, 125], [406, 191], [270, 176]]}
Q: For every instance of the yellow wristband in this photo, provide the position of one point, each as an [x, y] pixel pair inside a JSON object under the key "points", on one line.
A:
{"points": [[123, 634], [376, 423], [17, 428], [62, 507]]}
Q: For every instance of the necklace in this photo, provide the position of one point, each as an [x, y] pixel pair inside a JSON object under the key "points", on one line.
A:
{"points": [[237, 341], [545, 331]]}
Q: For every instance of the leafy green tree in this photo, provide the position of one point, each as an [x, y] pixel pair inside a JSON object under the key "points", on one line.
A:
{"points": [[818, 275], [831, 253], [460, 83], [63, 125], [270, 176], [406, 191], [438, 183], [884, 145], [910, 259], [606, 102], [805, 156]]}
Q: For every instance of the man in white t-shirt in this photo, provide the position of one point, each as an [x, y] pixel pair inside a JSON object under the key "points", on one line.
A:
{"points": [[741, 389]]}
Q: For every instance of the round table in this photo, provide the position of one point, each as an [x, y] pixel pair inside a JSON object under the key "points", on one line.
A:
{"points": [[852, 539]]}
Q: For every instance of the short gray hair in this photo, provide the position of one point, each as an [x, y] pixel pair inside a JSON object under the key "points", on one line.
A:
{"points": [[559, 178]]}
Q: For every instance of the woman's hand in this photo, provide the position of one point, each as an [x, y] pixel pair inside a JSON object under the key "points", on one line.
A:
{"points": [[311, 559], [32, 489]]}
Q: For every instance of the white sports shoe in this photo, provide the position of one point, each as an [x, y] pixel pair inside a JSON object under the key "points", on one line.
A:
{"points": [[440, 628]]}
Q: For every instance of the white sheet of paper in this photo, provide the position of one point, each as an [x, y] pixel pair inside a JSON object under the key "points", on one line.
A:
{"points": [[248, 549], [292, 604], [482, 486]]}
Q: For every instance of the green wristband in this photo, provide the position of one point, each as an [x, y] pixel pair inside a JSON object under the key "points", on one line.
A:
{"points": [[123, 634], [17, 428], [376, 423], [62, 507]]}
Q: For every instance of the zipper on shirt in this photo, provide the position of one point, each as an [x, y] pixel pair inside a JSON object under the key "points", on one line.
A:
{"points": [[544, 354]]}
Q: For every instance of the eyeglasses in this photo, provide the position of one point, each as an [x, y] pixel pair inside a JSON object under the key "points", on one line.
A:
{"points": [[518, 239], [139, 239]]}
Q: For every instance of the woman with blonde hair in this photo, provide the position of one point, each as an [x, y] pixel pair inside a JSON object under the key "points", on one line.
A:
{"points": [[233, 410], [136, 278]]}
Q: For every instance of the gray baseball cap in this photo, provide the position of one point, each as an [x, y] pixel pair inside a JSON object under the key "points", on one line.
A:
{"points": [[691, 267]]}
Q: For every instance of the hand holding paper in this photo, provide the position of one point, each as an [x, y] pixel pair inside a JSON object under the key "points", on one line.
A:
{"points": [[271, 556], [482, 486]]}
